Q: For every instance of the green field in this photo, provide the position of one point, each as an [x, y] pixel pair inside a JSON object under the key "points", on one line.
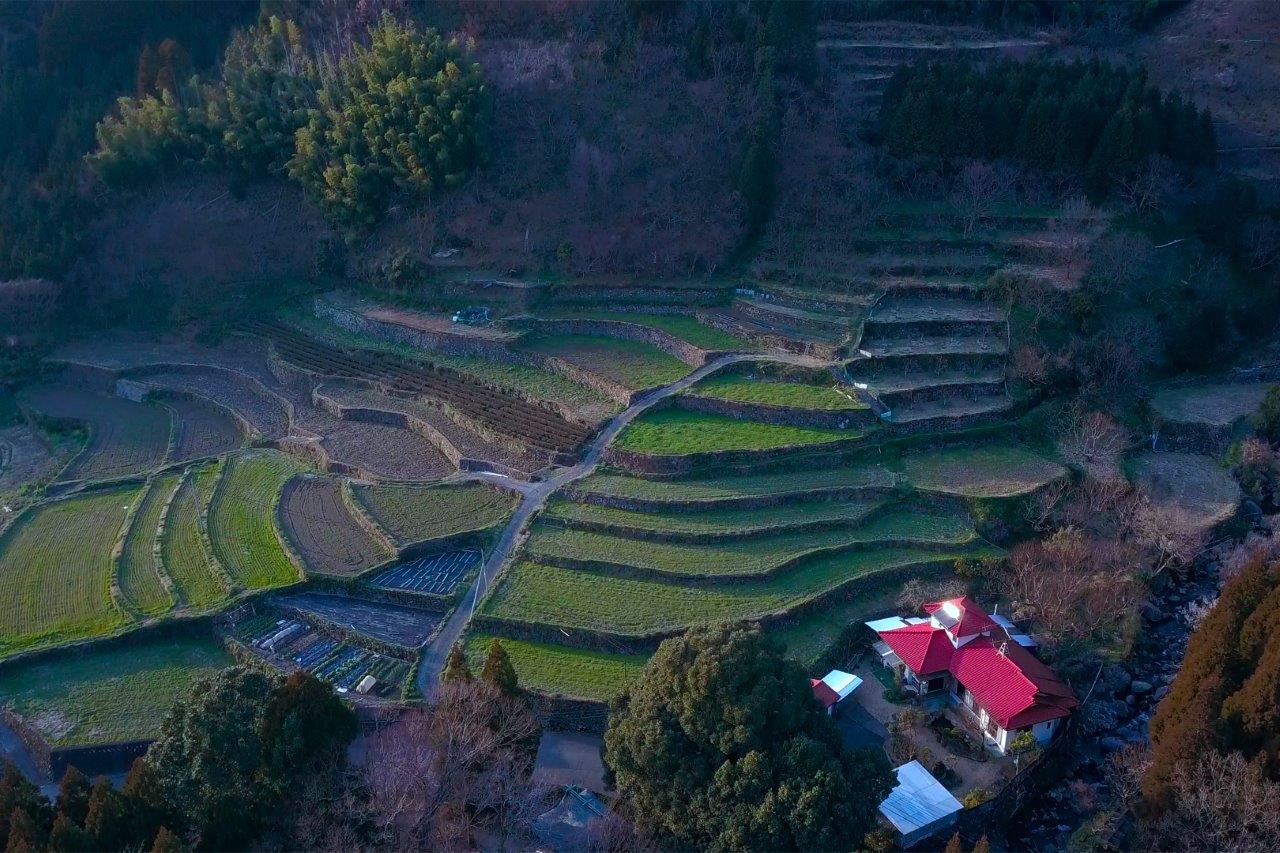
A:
{"points": [[674, 432], [746, 556], [110, 695], [808, 637], [683, 326], [634, 606], [549, 668], [740, 388], [728, 488], [741, 521], [182, 549], [418, 513], [632, 364], [55, 571], [139, 575], [242, 520], [981, 472]]}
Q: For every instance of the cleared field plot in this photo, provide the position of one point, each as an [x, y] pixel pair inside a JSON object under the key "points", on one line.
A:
{"points": [[636, 606], [632, 364], [902, 381], [24, 458], [265, 413], [390, 623], [966, 345], [683, 326], [124, 437], [1187, 485], [772, 392], [981, 472], [937, 309], [242, 521], [55, 571], [317, 522], [139, 575], [204, 429], [436, 574], [182, 548], [733, 488], [418, 513], [746, 557], [673, 432], [1213, 405], [548, 668], [386, 451], [744, 522], [110, 695]]}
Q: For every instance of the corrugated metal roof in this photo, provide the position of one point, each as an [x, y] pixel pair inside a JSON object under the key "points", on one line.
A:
{"points": [[918, 801]]}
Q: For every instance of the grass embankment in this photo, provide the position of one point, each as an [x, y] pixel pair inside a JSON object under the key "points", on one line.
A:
{"points": [[570, 598], [741, 521], [632, 364], [981, 472], [182, 548], [729, 488], [683, 326], [549, 668], [418, 513], [242, 520], [139, 574], [739, 388], [109, 695], [56, 571], [675, 432]]}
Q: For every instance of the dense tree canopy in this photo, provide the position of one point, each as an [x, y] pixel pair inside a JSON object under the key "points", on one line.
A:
{"points": [[720, 744]]}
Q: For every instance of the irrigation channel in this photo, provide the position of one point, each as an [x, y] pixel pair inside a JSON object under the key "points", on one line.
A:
{"points": [[535, 497]]}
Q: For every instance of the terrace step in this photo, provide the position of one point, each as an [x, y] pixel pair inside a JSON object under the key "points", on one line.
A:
{"points": [[950, 410], [842, 307], [934, 346], [775, 312], [903, 387], [941, 309]]}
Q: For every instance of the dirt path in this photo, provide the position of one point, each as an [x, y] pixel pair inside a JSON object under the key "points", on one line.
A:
{"points": [[535, 497]]}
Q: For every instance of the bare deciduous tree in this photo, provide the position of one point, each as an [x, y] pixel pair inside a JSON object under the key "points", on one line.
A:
{"points": [[1168, 533], [1094, 442], [1221, 803]]}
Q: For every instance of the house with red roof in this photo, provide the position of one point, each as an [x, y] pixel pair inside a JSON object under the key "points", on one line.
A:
{"points": [[963, 655]]}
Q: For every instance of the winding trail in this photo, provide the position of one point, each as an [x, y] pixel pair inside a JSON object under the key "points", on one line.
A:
{"points": [[535, 497]]}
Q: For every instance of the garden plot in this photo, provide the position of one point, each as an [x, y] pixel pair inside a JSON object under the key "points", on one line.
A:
{"points": [[570, 598], [1218, 405], [710, 525], [265, 412], [683, 326], [203, 429], [676, 432], [436, 574], [741, 388], [109, 695], [1190, 489], [183, 551], [743, 558], [981, 472], [562, 670], [124, 437], [728, 491], [343, 664], [139, 575], [410, 514], [314, 516], [389, 623], [242, 520], [385, 451], [630, 364], [56, 571]]}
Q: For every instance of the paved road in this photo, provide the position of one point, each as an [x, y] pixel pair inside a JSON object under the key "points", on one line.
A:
{"points": [[535, 497]]}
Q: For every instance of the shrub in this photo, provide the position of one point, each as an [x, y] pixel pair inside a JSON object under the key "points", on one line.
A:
{"points": [[1267, 419], [976, 797]]}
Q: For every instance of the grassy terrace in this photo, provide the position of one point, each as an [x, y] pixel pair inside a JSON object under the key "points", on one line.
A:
{"points": [[417, 513], [242, 520], [182, 549], [740, 388], [550, 668], [744, 557], [742, 521], [139, 578], [981, 472], [725, 488], [808, 637], [683, 326], [1213, 405], [109, 695], [674, 432], [635, 606], [632, 364]]}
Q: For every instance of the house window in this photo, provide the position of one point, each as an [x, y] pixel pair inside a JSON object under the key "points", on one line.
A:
{"points": [[993, 728], [938, 682]]}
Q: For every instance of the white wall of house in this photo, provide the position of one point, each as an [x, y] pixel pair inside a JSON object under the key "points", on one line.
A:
{"points": [[1043, 731]]}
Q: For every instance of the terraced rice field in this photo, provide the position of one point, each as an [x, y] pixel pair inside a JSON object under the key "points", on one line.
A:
{"points": [[124, 437], [728, 489], [139, 574], [419, 513], [739, 558], [266, 413], [736, 522], [563, 670], [570, 598], [55, 571], [1188, 486], [683, 326], [741, 388], [808, 637], [241, 520], [675, 432], [109, 695], [315, 517], [203, 429], [632, 364], [1219, 405], [182, 547], [436, 574], [981, 472]]}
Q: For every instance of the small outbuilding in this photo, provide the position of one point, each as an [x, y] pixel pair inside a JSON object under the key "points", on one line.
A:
{"points": [[919, 806], [833, 688]]}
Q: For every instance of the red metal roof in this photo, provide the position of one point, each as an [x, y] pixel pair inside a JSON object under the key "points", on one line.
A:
{"points": [[973, 619], [823, 693], [922, 647]]}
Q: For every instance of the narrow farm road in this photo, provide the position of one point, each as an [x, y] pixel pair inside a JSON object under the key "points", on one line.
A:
{"points": [[535, 497]]}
